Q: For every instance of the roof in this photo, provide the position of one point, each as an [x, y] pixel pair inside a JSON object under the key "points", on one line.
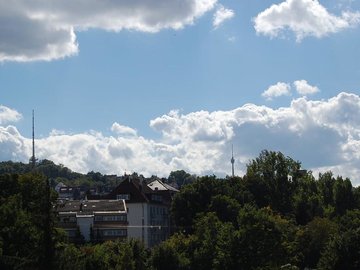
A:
{"points": [[134, 187], [59, 185], [141, 192], [66, 189], [92, 206], [159, 185]]}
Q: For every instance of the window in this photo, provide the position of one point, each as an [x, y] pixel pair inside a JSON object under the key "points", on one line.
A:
{"points": [[114, 218], [68, 219], [98, 218], [111, 218], [125, 197], [156, 197], [115, 232]]}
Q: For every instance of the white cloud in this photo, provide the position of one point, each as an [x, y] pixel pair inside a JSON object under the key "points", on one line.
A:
{"points": [[304, 18], [123, 130], [8, 115], [13, 146], [277, 90], [303, 88], [221, 15], [45, 30], [322, 134]]}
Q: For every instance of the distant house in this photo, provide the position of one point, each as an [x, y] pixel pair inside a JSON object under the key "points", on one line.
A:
{"points": [[93, 220], [70, 193], [58, 186], [148, 206]]}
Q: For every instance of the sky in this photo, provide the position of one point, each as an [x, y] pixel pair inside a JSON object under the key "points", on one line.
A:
{"points": [[153, 86]]}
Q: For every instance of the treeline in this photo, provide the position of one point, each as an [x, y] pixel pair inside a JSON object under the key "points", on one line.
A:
{"points": [[277, 216], [57, 173]]}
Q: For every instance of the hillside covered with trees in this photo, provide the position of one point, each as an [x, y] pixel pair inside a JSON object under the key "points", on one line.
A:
{"points": [[276, 216], [59, 173]]}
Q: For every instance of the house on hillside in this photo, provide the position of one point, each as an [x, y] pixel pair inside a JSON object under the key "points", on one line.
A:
{"points": [[93, 220], [70, 193], [148, 207], [58, 186]]}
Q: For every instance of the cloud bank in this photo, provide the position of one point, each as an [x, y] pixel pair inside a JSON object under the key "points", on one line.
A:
{"points": [[45, 30], [304, 18], [323, 135]]}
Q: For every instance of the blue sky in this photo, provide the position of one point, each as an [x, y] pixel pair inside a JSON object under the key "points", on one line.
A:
{"points": [[165, 88]]}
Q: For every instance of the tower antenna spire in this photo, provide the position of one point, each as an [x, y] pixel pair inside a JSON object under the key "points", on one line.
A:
{"points": [[232, 160], [33, 160]]}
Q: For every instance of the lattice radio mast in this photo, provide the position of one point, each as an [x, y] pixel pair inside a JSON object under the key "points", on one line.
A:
{"points": [[232, 161], [33, 160]]}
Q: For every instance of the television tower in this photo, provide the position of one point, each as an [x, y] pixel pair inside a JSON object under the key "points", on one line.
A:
{"points": [[232, 161], [33, 160]]}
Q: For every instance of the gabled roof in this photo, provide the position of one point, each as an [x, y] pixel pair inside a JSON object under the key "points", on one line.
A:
{"points": [[159, 185], [134, 187], [141, 192]]}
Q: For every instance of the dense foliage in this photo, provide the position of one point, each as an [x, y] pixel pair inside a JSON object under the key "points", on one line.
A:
{"points": [[59, 173], [276, 216], [27, 224]]}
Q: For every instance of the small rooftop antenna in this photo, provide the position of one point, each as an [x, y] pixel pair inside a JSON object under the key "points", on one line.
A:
{"points": [[232, 160]]}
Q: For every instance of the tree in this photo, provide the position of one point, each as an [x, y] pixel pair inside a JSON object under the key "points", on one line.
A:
{"points": [[213, 244], [279, 173], [180, 177], [69, 257], [174, 253], [226, 208], [342, 252], [306, 200], [259, 190], [312, 239], [261, 239], [343, 196], [326, 183], [27, 221], [193, 199]]}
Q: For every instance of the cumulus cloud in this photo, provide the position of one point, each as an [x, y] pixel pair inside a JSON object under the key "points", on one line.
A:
{"points": [[303, 88], [304, 18], [13, 146], [123, 130], [322, 135], [221, 15], [8, 115], [46, 30], [277, 90]]}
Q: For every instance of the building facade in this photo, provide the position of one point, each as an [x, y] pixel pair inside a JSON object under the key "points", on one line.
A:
{"points": [[148, 208], [93, 220]]}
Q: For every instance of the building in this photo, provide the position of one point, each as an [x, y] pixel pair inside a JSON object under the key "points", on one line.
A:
{"points": [[148, 206], [93, 220], [70, 193]]}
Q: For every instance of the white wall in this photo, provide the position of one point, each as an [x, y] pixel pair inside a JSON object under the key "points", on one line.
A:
{"points": [[85, 223], [138, 219]]}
